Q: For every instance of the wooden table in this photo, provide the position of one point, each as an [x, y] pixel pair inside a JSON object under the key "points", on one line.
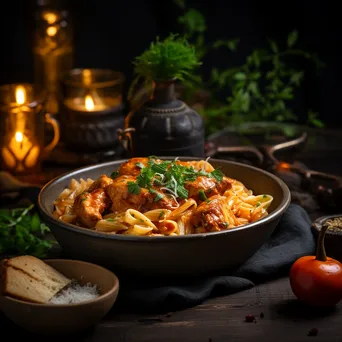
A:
{"points": [[217, 320]]}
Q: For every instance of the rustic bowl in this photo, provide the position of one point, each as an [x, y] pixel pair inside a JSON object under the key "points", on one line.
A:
{"points": [[53, 319], [162, 256], [333, 238]]}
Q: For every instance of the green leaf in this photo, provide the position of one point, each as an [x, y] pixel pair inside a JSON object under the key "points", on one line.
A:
{"points": [[193, 21], [201, 195], [296, 78], [35, 222], [240, 76], [274, 46], [158, 196], [230, 44], [133, 188], [292, 38], [217, 174], [317, 123], [114, 174]]}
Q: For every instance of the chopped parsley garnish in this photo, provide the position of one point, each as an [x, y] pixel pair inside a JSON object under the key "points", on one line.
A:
{"points": [[110, 219], [158, 196], [202, 196], [162, 213], [217, 174], [264, 196], [258, 204], [114, 174], [170, 176], [133, 188]]}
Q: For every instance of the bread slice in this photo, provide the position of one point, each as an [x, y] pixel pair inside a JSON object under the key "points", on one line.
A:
{"points": [[29, 278]]}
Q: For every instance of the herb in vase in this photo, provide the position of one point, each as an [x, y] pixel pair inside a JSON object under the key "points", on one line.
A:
{"points": [[22, 232], [159, 123], [170, 59]]}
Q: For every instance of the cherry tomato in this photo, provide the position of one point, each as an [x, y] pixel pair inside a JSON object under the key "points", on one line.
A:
{"points": [[317, 280]]}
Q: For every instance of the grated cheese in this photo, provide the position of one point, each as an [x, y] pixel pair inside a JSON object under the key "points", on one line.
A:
{"points": [[75, 293]]}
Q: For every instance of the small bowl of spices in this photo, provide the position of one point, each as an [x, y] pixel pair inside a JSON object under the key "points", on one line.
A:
{"points": [[333, 236], [57, 296]]}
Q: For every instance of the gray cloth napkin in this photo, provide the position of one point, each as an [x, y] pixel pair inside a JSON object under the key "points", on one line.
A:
{"points": [[291, 239]]}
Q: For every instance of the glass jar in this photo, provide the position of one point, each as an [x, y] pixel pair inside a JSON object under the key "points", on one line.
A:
{"points": [[92, 108], [53, 50], [22, 129]]}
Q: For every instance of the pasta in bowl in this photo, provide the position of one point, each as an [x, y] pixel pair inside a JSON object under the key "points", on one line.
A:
{"points": [[187, 223], [156, 197]]}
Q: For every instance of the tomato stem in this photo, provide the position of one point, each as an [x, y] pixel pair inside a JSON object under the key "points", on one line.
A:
{"points": [[320, 251]]}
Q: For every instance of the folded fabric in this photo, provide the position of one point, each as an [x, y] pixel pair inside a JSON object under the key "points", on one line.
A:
{"points": [[291, 239]]}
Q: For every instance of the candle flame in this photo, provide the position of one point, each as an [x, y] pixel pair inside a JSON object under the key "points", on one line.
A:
{"points": [[89, 103], [51, 31], [19, 136], [50, 17], [20, 95]]}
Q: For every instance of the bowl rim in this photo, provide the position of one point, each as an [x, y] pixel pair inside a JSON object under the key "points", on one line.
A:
{"points": [[279, 210], [104, 296]]}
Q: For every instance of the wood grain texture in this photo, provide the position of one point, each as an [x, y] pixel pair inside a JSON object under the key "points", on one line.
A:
{"points": [[217, 320]]}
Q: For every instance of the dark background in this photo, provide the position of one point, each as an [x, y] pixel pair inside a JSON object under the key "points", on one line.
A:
{"points": [[109, 34]]}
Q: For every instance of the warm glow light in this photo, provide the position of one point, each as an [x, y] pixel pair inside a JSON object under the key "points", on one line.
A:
{"points": [[19, 137], [51, 31], [50, 17], [283, 165], [89, 103], [20, 95], [87, 79]]}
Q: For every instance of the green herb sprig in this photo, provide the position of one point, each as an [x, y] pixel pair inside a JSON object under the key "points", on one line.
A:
{"points": [[22, 232], [170, 59], [168, 176], [259, 89]]}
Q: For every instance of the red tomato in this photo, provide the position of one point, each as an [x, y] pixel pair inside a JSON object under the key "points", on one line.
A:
{"points": [[317, 282]]}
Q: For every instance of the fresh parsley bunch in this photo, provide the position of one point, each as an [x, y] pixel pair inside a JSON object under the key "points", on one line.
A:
{"points": [[22, 232]]}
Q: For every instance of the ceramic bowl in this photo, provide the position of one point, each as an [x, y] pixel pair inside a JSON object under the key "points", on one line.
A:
{"points": [[333, 238], [66, 319], [163, 256]]}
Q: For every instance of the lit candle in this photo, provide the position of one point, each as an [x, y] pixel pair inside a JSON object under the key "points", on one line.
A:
{"points": [[88, 104], [20, 153]]}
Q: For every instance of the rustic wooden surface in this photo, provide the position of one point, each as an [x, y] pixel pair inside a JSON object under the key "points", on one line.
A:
{"points": [[217, 320]]}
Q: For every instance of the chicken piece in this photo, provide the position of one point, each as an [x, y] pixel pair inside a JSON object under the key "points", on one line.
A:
{"points": [[101, 182], [130, 167], [210, 187], [167, 202], [224, 185], [213, 215], [120, 196], [89, 206]]}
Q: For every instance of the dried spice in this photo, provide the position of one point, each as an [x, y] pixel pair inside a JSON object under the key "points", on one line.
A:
{"points": [[250, 318], [335, 224]]}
